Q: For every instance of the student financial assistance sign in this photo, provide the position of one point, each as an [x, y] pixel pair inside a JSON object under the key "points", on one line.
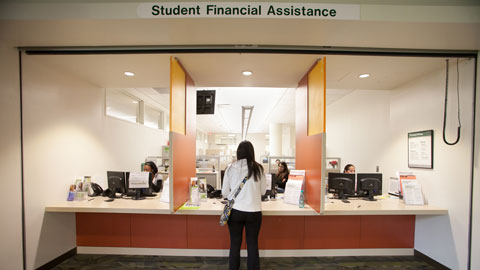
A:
{"points": [[248, 10]]}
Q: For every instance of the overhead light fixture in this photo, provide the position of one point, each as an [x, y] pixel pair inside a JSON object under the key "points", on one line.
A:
{"points": [[246, 117], [135, 102], [108, 108], [363, 76], [129, 74], [247, 73]]}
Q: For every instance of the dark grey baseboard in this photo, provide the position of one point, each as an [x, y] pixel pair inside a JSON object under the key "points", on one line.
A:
{"points": [[429, 260], [59, 259]]}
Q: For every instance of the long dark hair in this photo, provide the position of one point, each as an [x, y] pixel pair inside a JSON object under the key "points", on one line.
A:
{"points": [[153, 166], [245, 150], [285, 168]]}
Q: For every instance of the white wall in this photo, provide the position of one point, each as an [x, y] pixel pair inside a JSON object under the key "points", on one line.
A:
{"points": [[419, 106], [258, 141], [475, 263], [10, 170], [369, 128], [66, 135], [357, 129]]}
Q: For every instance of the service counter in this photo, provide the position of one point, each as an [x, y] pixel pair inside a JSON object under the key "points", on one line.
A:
{"points": [[125, 226], [153, 205]]}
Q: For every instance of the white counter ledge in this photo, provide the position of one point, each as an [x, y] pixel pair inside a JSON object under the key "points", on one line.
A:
{"points": [[150, 205], [383, 206], [153, 205]]}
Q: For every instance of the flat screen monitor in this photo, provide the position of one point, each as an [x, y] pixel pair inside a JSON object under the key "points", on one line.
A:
{"points": [[205, 101], [369, 184], [341, 184], [116, 183], [139, 184]]}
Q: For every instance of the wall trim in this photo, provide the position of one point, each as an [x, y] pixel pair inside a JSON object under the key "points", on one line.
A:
{"points": [[429, 260], [263, 253], [244, 48], [59, 259]]}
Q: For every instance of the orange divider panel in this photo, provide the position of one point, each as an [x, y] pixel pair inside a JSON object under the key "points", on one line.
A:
{"points": [[205, 233], [177, 97], [183, 148], [159, 231], [103, 229], [387, 232], [309, 149], [281, 232], [332, 232], [316, 98]]}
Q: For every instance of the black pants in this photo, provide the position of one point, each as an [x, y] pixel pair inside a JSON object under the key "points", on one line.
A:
{"points": [[252, 222]]}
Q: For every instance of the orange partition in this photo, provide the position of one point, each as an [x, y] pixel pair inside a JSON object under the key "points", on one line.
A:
{"points": [[183, 102], [310, 133]]}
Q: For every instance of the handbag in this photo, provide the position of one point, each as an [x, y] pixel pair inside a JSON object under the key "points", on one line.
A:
{"points": [[229, 205]]}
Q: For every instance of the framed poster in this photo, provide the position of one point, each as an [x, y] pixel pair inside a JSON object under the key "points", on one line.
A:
{"points": [[420, 149], [332, 164]]}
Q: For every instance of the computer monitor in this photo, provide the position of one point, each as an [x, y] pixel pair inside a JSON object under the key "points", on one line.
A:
{"points": [[369, 184], [116, 183], [139, 185], [273, 184], [341, 184]]}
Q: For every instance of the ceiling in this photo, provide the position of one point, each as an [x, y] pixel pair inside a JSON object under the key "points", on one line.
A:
{"points": [[280, 73]]}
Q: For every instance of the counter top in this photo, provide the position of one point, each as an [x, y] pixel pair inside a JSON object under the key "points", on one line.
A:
{"points": [[150, 205], [153, 205], [389, 205]]}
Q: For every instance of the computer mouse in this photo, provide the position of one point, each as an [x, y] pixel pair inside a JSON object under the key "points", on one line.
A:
{"points": [[110, 200]]}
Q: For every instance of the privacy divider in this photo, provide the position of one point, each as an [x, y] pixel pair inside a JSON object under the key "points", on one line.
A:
{"points": [[310, 133], [183, 102]]}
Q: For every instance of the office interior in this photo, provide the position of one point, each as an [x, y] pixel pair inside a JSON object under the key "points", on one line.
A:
{"points": [[66, 131]]}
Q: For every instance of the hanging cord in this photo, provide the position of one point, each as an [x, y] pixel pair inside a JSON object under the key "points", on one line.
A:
{"points": [[445, 107]]}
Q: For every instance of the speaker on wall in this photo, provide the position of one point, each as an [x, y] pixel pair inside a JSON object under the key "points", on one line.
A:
{"points": [[205, 101]]}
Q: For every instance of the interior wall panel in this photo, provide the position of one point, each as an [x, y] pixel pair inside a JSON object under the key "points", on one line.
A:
{"points": [[183, 145]]}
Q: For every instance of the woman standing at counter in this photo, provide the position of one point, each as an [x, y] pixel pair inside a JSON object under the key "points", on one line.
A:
{"points": [[246, 210]]}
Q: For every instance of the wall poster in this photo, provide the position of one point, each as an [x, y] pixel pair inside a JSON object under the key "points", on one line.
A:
{"points": [[420, 149]]}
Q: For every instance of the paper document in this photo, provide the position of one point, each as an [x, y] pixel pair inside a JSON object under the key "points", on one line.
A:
{"points": [[412, 192], [165, 197], [268, 178], [405, 176], [394, 186], [292, 191], [138, 180]]}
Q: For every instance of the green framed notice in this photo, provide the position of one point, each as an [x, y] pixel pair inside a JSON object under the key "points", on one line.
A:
{"points": [[420, 149]]}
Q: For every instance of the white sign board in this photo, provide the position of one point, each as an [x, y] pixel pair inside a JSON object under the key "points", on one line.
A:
{"points": [[248, 10], [138, 180]]}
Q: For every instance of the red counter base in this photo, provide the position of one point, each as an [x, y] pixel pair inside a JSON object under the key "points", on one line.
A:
{"points": [[278, 232]]}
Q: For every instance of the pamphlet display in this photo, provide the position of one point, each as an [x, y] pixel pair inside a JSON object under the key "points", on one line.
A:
{"points": [[404, 176], [202, 188], [394, 186], [194, 191], [412, 192], [165, 197], [294, 187]]}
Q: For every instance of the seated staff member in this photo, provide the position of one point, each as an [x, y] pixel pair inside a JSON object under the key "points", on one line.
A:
{"points": [[349, 168], [150, 166], [282, 176]]}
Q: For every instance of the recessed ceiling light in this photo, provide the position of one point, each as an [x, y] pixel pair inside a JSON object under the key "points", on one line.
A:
{"points": [[362, 76], [108, 108], [247, 73], [129, 74], [135, 101]]}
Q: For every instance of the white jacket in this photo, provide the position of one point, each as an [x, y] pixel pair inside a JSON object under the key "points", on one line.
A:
{"points": [[250, 197]]}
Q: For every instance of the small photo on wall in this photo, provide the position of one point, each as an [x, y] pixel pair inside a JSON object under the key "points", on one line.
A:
{"points": [[332, 164]]}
